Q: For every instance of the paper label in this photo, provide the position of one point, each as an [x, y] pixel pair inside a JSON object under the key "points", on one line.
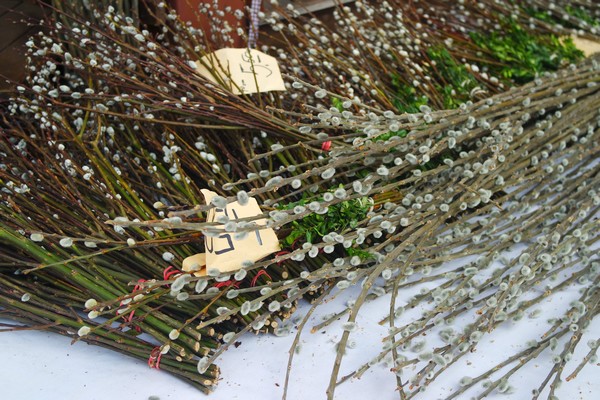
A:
{"points": [[243, 71], [588, 46], [225, 252]]}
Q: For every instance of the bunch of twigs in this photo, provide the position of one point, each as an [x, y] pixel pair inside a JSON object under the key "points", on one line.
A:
{"points": [[107, 149]]}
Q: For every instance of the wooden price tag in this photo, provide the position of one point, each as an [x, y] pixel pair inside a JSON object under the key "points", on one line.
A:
{"points": [[243, 71], [225, 252]]}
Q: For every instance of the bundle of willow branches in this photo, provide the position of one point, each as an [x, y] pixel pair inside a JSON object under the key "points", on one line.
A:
{"points": [[402, 143]]}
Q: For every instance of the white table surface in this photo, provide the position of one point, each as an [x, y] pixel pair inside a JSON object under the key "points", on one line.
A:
{"points": [[44, 366]]}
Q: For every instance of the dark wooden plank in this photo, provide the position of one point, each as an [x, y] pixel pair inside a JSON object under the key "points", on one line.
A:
{"points": [[7, 5], [14, 33], [11, 32], [12, 62], [15, 22]]}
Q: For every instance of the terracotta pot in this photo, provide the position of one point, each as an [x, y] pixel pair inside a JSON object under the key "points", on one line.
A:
{"points": [[188, 11]]}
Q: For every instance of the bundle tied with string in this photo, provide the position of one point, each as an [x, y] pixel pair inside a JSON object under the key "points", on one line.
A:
{"points": [[357, 168]]}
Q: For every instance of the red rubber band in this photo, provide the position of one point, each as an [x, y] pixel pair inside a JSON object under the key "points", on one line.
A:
{"points": [[226, 284], [295, 243], [129, 318], [139, 285], [154, 359], [281, 253], [261, 272], [169, 272]]}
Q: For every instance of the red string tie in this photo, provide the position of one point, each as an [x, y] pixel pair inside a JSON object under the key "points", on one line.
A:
{"points": [[139, 285], [169, 272], [325, 146], [261, 272], [154, 359], [129, 318], [281, 253], [295, 243], [226, 284]]}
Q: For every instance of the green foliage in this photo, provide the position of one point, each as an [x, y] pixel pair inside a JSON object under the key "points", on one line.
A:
{"points": [[362, 254], [406, 99], [540, 14], [459, 81], [582, 14], [439, 160], [524, 55], [338, 217], [577, 12], [337, 103], [386, 136]]}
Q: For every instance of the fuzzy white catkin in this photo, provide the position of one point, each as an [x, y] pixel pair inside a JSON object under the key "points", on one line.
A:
{"points": [[274, 181], [245, 309], [241, 274], [465, 380], [256, 305], [222, 219], [201, 285], [328, 173], [265, 290], [36, 237], [228, 337], [319, 94], [222, 310], [299, 209], [242, 198], [180, 282], [90, 303], [340, 193], [219, 201], [349, 326], [84, 330], [203, 365], [383, 171], [343, 284], [274, 306], [66, 242], [183, 296]]}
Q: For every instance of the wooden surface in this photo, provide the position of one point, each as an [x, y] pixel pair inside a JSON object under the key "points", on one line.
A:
{"points": [[17, 19]]}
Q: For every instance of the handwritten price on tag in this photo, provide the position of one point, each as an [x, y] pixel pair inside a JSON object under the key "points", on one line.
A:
{"points": [[243, 71], [225, 252]]}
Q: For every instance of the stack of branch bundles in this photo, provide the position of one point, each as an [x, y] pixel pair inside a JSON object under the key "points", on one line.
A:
{"points": [[407, 136]]}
